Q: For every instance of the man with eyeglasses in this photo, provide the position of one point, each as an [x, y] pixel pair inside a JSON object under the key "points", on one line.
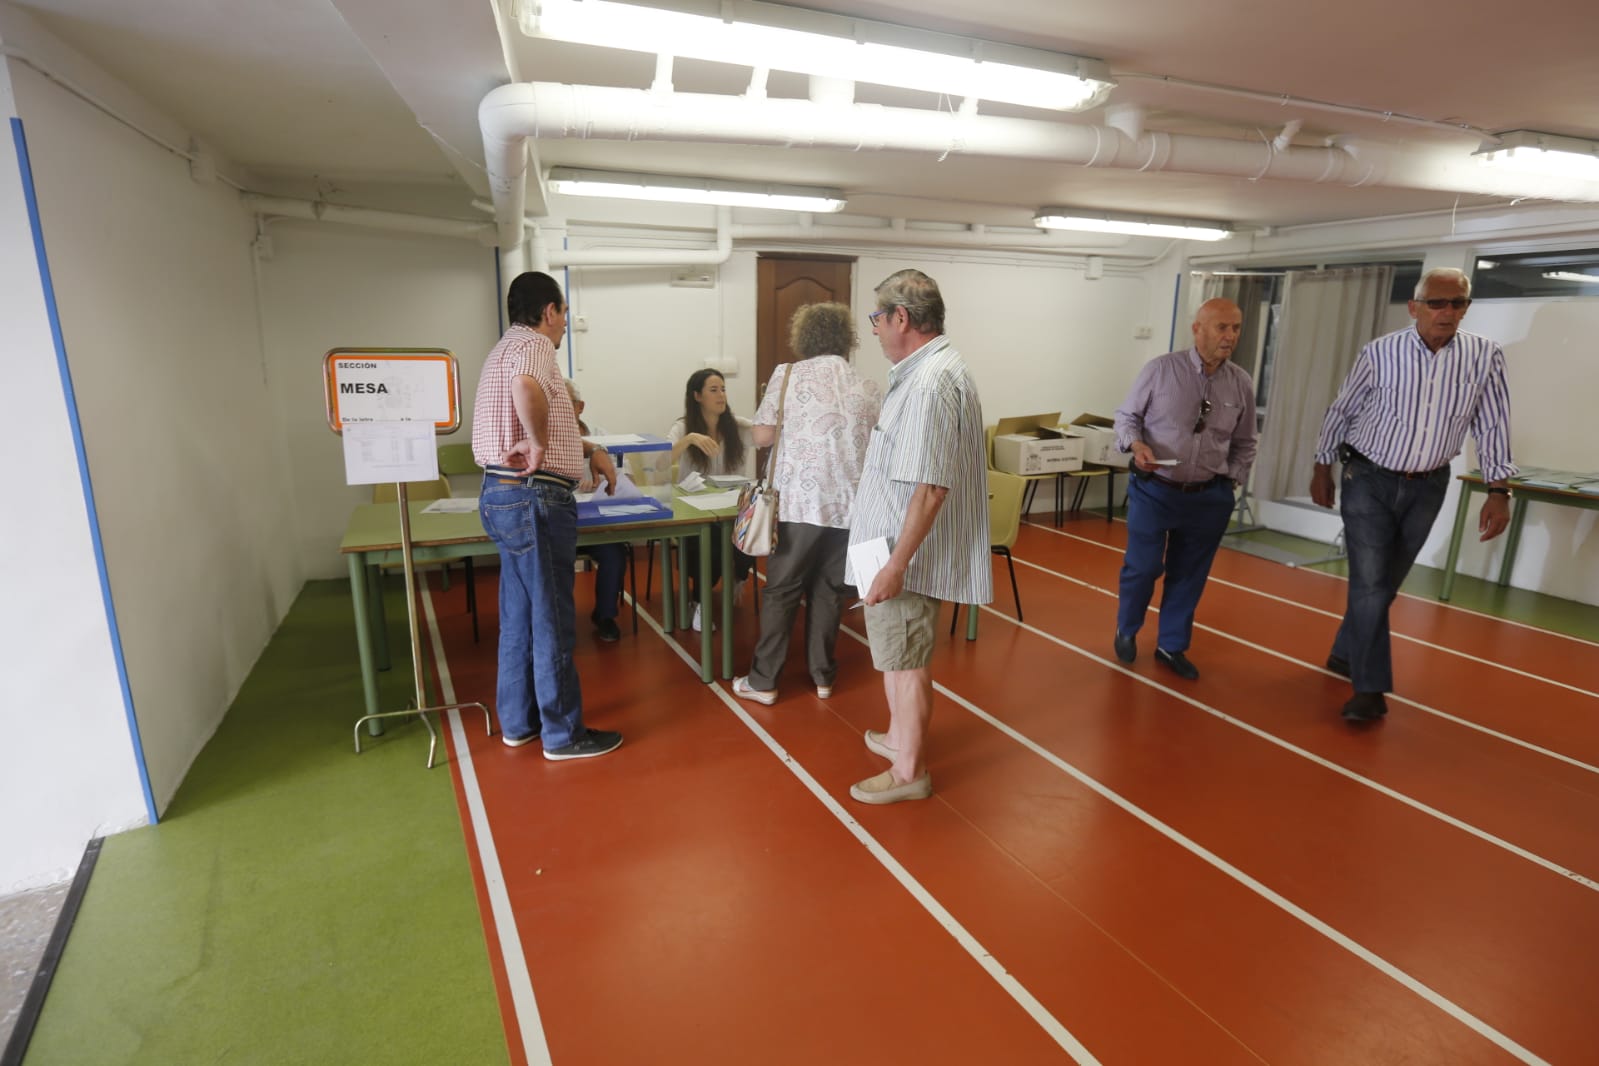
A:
{"points": [[1400, 418], [924, 487], [1190, 423]]}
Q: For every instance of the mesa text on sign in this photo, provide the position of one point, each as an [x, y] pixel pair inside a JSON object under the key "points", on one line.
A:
{"points": [[392, 387]]}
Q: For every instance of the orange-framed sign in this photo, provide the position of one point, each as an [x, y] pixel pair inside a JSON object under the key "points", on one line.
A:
{"points": [[392, 385]]}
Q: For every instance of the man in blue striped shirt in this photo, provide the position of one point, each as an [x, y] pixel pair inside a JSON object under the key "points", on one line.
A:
{"points": [[1401, 416], [924, 488]]}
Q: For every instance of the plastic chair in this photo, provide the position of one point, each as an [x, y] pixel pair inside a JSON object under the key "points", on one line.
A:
{"points": [[457, 459], [436, 490], [458, 467], [1005, 492]]}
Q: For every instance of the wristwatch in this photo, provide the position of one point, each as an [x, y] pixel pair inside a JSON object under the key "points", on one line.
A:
{"points": [[1498, 490]]}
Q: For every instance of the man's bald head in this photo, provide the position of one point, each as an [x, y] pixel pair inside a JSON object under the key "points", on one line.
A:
{"points": [[1217, 326]]}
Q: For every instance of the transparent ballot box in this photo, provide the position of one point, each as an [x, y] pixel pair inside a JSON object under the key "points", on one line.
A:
{"points": [[645, 459]]}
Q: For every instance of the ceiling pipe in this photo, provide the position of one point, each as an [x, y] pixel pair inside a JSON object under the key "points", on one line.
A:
{"points": [[577, 257], [512, 114], [319, 211]]}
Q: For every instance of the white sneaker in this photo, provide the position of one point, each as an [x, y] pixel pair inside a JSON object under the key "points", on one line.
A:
{"points": [[695, 624]]}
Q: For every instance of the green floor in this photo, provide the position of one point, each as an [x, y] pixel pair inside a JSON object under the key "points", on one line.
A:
{"points": [[297, 903]]}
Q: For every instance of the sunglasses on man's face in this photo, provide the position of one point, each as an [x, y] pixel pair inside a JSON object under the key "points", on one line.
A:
{"points": [[1459, 303], [1204, 413]]}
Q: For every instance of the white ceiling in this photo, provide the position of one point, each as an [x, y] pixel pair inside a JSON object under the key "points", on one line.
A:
{"points": [[374, 101]]}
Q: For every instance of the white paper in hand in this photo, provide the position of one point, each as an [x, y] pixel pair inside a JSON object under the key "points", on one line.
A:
{"points": [[864, 561]]}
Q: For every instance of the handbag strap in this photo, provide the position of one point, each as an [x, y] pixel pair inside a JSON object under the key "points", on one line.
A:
{"points": [[776, 440]]}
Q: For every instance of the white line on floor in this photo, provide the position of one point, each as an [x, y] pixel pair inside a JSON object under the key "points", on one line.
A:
{"points": [[1445, 715], [1368, 956], [1397, 635], [1014, 988], [534, 1045]]}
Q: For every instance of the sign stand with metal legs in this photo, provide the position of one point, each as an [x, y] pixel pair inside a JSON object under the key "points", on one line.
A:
{"points": [[421, 708], [388, 404]]}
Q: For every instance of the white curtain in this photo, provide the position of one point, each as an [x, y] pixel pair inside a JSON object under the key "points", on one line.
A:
{"points": [[1328, 315]]}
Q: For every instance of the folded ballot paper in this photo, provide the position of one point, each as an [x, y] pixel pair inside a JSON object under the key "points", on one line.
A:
{"points": [[864, 561]]}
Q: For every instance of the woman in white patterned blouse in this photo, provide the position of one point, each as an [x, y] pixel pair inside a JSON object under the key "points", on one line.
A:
{"points": [[827, 417]]}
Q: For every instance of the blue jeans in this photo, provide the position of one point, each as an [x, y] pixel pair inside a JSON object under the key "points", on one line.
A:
{"points": [[1386, 521], [535, 527], [1175, 534], [610, 562]]}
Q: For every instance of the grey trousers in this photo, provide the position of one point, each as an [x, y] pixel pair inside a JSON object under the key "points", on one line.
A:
{"points": [[808, 563]]}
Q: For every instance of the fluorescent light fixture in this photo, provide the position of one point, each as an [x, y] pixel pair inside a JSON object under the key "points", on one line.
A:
{"points": [[1138, 225], [663, 187], [1571, 275], [751, 33], [1549, 154]]}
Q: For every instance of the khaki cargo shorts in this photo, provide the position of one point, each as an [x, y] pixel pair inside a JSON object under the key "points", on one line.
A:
{"points": [[900, 631]]}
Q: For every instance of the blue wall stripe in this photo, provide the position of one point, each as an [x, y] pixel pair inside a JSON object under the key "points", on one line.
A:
{"points": [[26, 168]]}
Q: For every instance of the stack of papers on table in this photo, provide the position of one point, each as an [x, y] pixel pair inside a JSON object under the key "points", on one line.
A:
{"points": [[711, 501], [452, 505], [1543, 477]]}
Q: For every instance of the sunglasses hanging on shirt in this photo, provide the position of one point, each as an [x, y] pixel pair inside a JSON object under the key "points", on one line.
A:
{"points": [[1204, 413]]}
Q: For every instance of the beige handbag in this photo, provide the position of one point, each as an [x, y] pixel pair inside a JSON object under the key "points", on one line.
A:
{"points": [[755, 528]]}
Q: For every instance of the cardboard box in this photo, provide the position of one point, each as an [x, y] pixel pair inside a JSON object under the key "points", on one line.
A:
{"points": [[1099, 440], [1041, 450]]}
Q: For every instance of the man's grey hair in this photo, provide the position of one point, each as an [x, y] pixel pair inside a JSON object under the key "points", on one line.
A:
{"points": [[918, 294], [573, 391], [1442, 274]]}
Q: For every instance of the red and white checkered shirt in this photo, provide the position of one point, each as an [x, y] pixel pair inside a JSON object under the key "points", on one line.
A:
{"points": [[525, 352]]}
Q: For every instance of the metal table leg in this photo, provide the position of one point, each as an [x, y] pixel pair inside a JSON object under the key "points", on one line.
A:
{"points": [[1454, 541], [359, 592], [1518, 516]]}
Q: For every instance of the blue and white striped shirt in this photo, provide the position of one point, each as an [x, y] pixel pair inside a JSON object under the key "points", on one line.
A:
{"points": [[1406, 407], [930, 431]]}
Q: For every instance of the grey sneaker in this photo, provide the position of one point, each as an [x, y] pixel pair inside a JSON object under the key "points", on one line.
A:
{"points": [[594, 742]]}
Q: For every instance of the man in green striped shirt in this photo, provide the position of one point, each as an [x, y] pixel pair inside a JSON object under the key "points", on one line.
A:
{"points": [[924, 489]]}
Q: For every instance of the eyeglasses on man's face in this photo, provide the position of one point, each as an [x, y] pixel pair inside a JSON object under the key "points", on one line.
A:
{"points": [[1459, 303], [879, 313], [1204, 413]]}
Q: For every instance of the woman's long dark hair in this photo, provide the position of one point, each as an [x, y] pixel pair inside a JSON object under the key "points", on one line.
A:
{"points": [[726, 426]]}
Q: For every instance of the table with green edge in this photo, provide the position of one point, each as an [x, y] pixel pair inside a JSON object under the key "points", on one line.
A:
{"points": [[372, 539], [1521, 495]]}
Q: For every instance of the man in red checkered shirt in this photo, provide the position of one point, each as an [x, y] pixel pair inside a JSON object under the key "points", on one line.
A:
{"points": [[524, 435]]}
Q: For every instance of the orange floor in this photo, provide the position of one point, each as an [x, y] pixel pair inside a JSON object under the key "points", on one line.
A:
{"points": [[1117, 866]]}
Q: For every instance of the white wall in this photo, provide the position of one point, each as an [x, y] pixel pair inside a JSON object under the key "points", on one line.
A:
{"points": [[1037, 335], [332, 286], [69, 759]]}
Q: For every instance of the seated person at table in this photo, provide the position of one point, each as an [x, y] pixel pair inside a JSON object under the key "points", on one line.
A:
{"points": [[710, 439], [610, 560]]}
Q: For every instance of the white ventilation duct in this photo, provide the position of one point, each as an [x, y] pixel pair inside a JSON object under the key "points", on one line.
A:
{"points": [[512, 114], [317, 211]]}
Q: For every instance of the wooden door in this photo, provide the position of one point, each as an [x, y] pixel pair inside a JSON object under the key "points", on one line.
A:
{"points": [[784, 283]]}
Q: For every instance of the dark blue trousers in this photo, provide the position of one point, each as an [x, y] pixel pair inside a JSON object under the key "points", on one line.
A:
{"points": [[1386, 521], [1174, 534], [610, 563]]}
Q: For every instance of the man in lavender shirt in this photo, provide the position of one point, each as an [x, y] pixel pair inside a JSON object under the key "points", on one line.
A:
{"points": [[1190, 423]]}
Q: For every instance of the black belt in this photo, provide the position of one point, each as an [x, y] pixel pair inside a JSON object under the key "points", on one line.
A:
{"points": [[1350, 455], [1185, 486], [508, 474]]}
